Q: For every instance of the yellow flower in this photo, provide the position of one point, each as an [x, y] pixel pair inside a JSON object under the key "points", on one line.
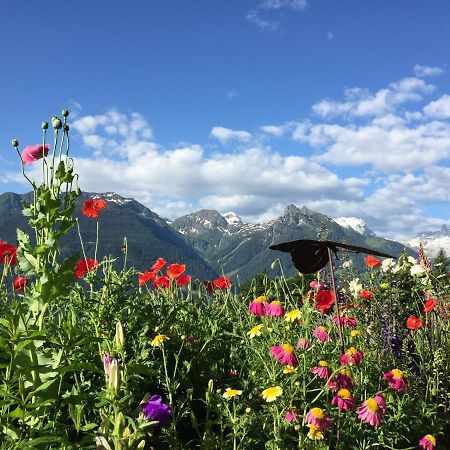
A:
{"points": [[271, 393], [158, 340], [230, 393], [354, 333], [248, 410], [292, 315], [314, 433], [289, 369], [255, 331]]}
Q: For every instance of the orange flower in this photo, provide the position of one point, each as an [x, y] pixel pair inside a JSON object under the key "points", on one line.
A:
{"points": [[414, 323], [222, 283], [371, 261], [146, 276], [175, 270], [159, 264], [366, 294], [430, 304], [92, 207]]}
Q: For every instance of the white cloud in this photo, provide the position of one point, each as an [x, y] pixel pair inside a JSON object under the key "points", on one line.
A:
{"points": [[278, 130], [299, 5], [427, 71], [263, 23], [226, 134], [439, 108]]}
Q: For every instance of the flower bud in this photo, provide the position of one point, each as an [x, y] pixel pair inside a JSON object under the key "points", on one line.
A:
{"points": [[44, 125], [119, 337], [15, 143], [114, 378], [56, 123], [66, 128], [118, 423], [65, 112], [141, 445]]}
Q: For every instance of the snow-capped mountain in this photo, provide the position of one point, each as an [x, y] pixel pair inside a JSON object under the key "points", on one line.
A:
{"points": [[354, 223], [432, 241], [232, 219]]}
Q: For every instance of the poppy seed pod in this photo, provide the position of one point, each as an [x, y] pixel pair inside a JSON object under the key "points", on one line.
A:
{"points": [[56, 123], [44, 125], [15, 143], [65, 112], [66, 128]]}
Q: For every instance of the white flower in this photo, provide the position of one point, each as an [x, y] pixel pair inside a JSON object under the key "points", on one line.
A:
{"points": [[355, 287], [387, 264], [347, 264], [416, 269], [412, 260]]}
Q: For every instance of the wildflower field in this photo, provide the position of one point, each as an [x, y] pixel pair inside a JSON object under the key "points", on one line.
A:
{"points": [[94, 357]]}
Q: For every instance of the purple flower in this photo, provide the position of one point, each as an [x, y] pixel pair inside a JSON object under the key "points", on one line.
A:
{"points": [[155, 409]]}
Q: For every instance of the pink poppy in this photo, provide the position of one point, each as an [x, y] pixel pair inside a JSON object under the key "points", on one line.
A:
{"points": [[275, 309], [321, 370], [34, 152], [321, 334], [396, 380], [371, 410], [285, 354]]}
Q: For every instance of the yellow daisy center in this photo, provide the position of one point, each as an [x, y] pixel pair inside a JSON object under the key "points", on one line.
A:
{"points": [[351, 351], [344, 394], [288, 348], [372, 404], [229, 393], [323, 364], [322, 328], [276, 303], [397, 373], [289, 369], [314, 433], [260, 299], [158, 340], [345, 372], [431, 438], [354, 333], [317, 413]]}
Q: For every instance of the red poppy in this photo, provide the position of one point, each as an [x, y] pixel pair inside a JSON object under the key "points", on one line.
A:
{"points": [[159, 264], [222, 283], [8, 254], [366, 294], [414, 323], [371, 261], [429, 305], [146, 276], [20, 283], [324, 300], [175, 270], [83, 266], [183, 279], [209, 286], [161, 282], [92, 207]]}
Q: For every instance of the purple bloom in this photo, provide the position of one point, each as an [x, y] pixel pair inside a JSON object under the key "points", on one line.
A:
{"points": [[155, 409]]}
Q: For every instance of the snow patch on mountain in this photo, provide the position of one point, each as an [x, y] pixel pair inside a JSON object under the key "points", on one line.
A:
{"points": [[113, 197], [356, 224], [232, 218], [432, 241]]}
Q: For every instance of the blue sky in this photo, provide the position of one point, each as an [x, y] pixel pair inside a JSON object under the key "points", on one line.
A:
{"points": [[243, 105]]}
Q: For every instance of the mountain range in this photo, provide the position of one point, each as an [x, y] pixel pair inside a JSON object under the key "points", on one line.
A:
{"points": [[208, 242]]}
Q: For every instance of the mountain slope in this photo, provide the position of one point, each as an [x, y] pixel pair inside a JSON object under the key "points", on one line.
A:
{"points": [[433, 241]]}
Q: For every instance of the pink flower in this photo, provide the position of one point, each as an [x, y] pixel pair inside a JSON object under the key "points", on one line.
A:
{"points": [[258, 306], [303, 344], [351, 357], [321, 334], [318, 417], [428, 442], [342, 380], [396, 380], [322, 370], [345, 321], [275, 309], [371, 410], [285, 354], [316, 285], [343, 400], [292, 415], [34, 152]]}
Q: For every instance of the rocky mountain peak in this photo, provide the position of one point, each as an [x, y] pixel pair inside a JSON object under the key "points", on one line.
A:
{"points": [[233, 219], [356, 224]]}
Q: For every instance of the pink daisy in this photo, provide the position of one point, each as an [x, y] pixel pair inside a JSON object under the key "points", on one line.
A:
{"points": [[275, 309], [322, 370], [428, 442], [351, 357], [316, 285], [258, 306], [342, 380], [371, 410], [396, 380], [318, 417], [343, 400], [285, 354], [292, 415], [321, 334], [303, 344], [345, 321]]}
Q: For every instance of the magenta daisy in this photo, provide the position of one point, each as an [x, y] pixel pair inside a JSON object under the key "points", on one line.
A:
{"points": [[318, 417], [371, 410], [343, 400], [341, 380], [258, 306], [321, 334], [396, 380], [351, 357], [345, 321], [428, 442], [292, 415], [285, 354], [275, 309], [322, 370]]}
